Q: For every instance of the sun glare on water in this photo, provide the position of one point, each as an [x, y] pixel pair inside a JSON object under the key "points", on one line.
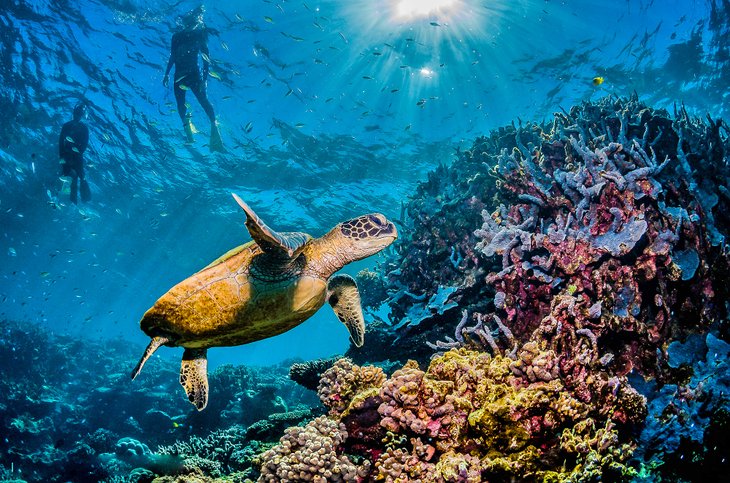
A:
{"points": [[420, 8]]}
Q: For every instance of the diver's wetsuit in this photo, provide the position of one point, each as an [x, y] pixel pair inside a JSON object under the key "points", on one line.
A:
{"points": [[72, 143], [186, 47]]}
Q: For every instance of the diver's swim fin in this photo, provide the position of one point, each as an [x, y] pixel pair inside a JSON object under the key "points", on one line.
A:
{"points": [[189, 130], [216, 143], [85, 191], [74, 190]]}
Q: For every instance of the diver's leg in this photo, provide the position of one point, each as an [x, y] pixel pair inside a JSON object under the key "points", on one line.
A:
{"points": [[201, 93], [74, 188], [182, 110], [84, 189]]}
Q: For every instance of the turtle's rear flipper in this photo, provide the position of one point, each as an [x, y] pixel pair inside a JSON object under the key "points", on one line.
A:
{"points": [[154, 344], [344, 298], [194, 376]]}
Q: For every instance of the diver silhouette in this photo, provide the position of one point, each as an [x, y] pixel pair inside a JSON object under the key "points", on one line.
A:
{"points": [[72, 143], [189, 43]]}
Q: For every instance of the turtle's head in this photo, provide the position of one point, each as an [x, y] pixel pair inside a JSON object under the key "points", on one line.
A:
{"points": [[363, 236]]}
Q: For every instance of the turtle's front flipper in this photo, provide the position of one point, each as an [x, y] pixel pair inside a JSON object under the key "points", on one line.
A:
{"points": [[154, 344], [290, 243], [344, 298], [194, 376]]}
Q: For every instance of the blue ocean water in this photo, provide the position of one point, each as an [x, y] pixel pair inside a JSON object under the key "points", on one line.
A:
{"points": [[327, 109], [348, 105]]}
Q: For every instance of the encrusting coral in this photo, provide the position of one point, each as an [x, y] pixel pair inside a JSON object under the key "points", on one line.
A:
{"points": [[309, 454], [471, 417]]}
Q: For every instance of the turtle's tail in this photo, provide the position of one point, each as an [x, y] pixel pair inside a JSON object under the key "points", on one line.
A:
{"points": [[155, 344]]}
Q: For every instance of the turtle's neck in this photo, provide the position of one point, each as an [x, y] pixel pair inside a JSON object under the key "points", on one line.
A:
{"points": [[324, 257]]}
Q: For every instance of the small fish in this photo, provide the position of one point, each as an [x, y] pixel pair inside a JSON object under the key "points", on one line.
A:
{"points": [[75, 149], [289, 92], [343, 37], [435, 24], [214, 75], [70, 139], [597, 81], [394, 90], [44, 274], [184, 87], [225, 46], [293, 37], [367, 77], [299, 125], [205, 57], [269, 19], [421, 102], [247, 128], [12, 252]]}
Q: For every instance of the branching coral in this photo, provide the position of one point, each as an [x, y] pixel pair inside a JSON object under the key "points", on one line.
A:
{"points": [[598, 243]]}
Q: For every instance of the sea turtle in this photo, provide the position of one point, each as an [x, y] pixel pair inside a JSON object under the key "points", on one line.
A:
{"points": [[262, 289]]}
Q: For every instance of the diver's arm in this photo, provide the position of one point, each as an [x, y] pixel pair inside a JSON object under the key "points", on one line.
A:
{"points": [[83, 140], [61, 140], [170, 62], [204, 50]]}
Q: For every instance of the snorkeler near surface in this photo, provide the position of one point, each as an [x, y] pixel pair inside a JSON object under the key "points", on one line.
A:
{"points": [[188, 44], [72, 143]]}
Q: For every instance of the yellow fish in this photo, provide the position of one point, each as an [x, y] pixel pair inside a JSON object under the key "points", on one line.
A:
{"points": [[597, 81]]}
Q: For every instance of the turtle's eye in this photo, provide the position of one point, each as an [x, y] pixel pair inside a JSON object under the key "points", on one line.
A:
{"points": [[378, 220]]}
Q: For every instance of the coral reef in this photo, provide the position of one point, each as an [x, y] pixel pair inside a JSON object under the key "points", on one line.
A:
{"points": [[78, 419], [469, 417], [309, 454], [307, 374], [685, 435], [606, 224]]}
